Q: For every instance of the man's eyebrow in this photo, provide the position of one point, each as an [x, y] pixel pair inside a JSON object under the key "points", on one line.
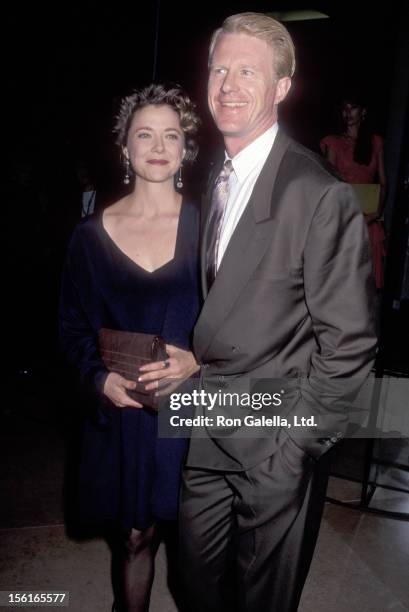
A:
{"points": [[248, 64]]}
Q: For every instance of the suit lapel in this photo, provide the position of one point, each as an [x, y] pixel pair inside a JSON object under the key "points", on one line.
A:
{"points": [[244, 252]]}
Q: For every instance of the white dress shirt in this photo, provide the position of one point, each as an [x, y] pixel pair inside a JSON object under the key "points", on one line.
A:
{"points": [[247, 166]]}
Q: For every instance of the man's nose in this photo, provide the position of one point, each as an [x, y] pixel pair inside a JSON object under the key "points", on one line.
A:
{"points": [[229, 82]]}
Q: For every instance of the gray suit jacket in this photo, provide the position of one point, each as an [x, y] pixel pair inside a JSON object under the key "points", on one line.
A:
{"points": [[292, 299]]}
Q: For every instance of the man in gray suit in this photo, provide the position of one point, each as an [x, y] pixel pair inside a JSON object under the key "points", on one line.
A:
{"points": [[287, 283]]}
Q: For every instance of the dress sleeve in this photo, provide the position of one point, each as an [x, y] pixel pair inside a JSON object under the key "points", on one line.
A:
{"points": [[78, 320], [378, 143], [325, 143]]}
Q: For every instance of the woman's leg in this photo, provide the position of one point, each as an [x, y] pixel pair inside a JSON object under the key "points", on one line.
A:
{"points": [[133, 569]]}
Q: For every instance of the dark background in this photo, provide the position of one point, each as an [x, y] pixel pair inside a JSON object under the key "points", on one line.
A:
{"points": [[66, 67]]}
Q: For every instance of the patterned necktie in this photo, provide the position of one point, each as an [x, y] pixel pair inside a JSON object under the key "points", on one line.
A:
{"points": [[219, 199]]}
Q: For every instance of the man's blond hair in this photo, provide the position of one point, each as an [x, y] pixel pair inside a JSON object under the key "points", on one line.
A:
{"points": [[266, 28]]}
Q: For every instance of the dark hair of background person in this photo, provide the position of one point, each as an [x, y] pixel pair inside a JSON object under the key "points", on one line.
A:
{"points": [[363, 145]]}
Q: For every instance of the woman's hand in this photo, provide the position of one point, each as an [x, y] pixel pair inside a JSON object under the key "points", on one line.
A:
{"points": [[115, 389], [179, 366]]}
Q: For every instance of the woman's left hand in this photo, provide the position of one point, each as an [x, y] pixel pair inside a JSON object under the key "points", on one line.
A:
{"points": [[179, 366]]}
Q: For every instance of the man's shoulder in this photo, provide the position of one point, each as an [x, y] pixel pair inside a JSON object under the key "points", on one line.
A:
{"points": [[305, 178], [305, 164]]}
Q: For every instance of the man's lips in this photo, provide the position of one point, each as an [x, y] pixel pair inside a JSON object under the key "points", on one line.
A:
{"points": [[158, 162]]}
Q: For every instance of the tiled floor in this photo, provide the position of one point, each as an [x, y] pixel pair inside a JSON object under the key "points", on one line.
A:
{"points": [[361, 561]]}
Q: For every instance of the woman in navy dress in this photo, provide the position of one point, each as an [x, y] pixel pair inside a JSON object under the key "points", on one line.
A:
{"points": [[134, 268]]}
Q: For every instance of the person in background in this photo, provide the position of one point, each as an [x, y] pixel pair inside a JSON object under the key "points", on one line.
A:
{"points": [[357, 153], [88, 190]]}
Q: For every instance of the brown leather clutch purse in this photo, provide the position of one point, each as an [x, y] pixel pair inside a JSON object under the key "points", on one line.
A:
{"points": [[125, 352]]}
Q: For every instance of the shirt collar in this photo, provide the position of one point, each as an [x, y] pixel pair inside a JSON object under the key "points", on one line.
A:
{"points": [[254, 154]]}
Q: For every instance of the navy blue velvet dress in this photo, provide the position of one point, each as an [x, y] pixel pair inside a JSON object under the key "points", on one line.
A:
{"points": [[128, 476]]}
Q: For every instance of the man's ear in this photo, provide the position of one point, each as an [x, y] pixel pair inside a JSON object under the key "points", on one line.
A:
{"points": [[283, 87]]}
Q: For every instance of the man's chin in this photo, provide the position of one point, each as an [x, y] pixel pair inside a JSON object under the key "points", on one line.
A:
{"points": [[229, 131]]}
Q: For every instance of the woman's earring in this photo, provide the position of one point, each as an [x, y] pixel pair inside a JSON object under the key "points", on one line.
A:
{"points": [[179, 182], [127, 177]]}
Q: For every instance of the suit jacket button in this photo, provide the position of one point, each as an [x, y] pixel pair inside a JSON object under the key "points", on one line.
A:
{"points": [[325, 441]]}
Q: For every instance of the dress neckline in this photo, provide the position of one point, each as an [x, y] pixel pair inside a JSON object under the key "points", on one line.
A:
{"points": [[130, 260]]}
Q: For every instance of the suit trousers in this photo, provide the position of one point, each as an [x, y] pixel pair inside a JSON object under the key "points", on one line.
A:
{"points": [[247, 537]]}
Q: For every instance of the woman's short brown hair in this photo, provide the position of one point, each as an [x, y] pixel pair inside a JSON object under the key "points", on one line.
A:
{"points": [[159, 95]]}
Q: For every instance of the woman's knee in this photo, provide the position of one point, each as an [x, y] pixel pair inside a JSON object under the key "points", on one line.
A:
{"points": [[135, 541]]}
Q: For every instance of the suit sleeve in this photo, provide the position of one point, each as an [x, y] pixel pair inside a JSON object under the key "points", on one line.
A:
{"points": [[339, 294]]}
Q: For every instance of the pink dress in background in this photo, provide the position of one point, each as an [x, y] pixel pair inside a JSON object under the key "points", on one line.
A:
{"points": [[352, 172]]}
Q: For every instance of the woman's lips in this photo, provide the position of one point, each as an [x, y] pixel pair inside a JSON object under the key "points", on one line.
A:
{"points": [[158, 162]]}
